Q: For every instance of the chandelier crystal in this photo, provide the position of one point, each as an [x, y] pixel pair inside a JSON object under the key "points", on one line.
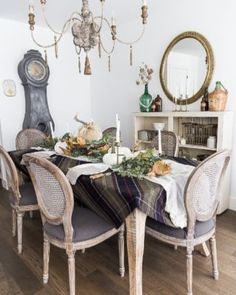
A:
{"points": [[86, 30]]}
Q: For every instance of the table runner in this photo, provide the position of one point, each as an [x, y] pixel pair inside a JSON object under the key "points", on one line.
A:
{"points": [[113, 197]]}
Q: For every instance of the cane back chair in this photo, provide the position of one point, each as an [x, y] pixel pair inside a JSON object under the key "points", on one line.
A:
{"points": [[29, 137], [22, 198], [202, 196], [66, 225], [169, 143]]}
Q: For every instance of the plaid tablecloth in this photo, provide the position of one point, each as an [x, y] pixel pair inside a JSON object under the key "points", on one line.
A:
{"points": [[113, 197]]}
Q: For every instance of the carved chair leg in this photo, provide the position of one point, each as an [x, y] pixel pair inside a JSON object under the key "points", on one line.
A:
{"points": [[19, 231], [46, 256], [13, 222], [214, 258], [71, 269], [189, 271], [121, 245]]}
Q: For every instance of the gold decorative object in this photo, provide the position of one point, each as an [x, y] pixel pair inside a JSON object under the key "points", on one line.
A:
{"points": [[209, 66], [160, 168], [86, 30]]}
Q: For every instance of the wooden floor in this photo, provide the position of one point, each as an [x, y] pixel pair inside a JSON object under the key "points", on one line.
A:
{"points": [[97, 269]]}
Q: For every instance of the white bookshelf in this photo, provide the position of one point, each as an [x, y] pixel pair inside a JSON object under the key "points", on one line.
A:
{"points": [[223, 123]]}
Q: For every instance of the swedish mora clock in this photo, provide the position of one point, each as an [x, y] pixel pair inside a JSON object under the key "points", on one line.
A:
{"points": [[34, 74]]}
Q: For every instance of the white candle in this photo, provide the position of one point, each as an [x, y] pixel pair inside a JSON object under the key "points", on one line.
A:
{"points": [[144, 2], [159, 141], [186, 87], [51, 129], [118, 131]]}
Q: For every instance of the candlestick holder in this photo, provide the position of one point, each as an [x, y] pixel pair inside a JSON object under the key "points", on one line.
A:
{"points": [[117, 146], [180, 103], [175, 102], [186, 104]]}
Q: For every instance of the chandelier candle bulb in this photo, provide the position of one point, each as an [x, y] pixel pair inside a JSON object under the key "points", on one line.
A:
{"points": [[144, 2], [31, 8]]}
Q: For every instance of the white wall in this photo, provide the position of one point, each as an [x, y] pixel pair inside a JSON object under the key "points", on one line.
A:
{"points": [[68, 92], [116, 91]]}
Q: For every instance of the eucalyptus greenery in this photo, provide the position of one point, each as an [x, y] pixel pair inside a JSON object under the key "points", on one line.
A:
{"points": [[48, 143], [138, 166]]}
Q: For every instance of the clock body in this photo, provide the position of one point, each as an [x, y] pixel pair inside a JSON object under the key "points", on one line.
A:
{"points": [[34, 74]]}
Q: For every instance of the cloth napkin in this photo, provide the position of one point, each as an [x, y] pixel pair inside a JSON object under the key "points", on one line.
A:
{"points": [[85, 169], [174, 185]]}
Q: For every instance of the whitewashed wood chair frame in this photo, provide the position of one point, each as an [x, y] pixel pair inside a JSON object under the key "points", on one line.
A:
{"points": [[18, 210], [61, 213], [212, 169]]}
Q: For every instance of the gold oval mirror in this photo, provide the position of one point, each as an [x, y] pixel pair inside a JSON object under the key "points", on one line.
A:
{"points": [[187, 67]]}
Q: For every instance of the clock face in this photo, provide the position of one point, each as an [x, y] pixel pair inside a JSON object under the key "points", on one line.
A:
{"points": [[36, 70]]}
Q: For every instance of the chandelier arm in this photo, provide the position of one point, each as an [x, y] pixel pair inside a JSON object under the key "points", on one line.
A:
{"points": [[101, 17], [51, 44], [65, 28], [105, 50], [133, 42]]}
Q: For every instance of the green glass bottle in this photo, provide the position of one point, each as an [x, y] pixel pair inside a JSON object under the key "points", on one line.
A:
{"points": [[145, 101]]}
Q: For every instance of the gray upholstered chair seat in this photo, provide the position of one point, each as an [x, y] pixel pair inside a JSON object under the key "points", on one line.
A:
{"points": [[28, 196], [201, 228], [87, 225]]}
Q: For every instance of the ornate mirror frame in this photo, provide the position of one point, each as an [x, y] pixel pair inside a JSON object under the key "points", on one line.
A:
{"points": [[209, 58]]}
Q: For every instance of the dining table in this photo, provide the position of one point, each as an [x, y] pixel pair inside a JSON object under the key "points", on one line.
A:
{"points": [[117, 199]]}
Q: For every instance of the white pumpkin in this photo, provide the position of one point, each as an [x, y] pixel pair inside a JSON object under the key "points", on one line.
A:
{"points": [[124, 151], [90, 132], [111, 159]]}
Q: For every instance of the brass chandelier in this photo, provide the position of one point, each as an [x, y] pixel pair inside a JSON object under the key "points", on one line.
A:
{"points": [[86, 30]]}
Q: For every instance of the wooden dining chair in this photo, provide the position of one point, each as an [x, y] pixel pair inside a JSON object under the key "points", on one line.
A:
{"points": [[169, 144], [22, 197], [27, 138], [111, 131], [202, 196], [66, 225]]}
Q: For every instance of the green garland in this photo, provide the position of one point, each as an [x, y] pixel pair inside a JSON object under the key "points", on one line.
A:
{"points": [[138, 166]]}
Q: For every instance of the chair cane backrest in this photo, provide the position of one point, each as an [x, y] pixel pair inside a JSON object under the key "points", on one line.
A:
{"points": [[169, 142], [10, 173], [202, 189], [110, 131], [29, 137], [54, 193]]}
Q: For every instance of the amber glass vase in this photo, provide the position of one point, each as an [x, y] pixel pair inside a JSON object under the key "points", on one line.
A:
{"points": [[145, 101]]}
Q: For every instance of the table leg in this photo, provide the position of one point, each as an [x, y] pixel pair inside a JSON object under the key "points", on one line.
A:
{"points": [[135, 229]]}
